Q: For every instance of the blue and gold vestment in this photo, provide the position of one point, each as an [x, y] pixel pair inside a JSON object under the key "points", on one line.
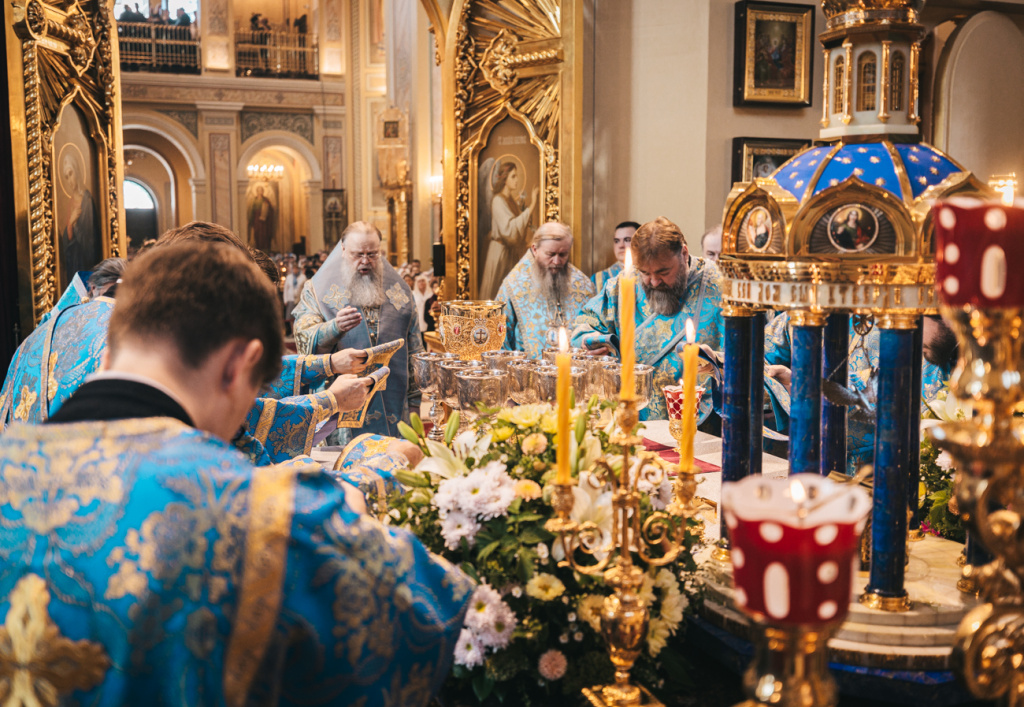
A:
{"points": [[316, 332], [143, 562], [56, 358], [861, 364], [528, 312], [602, 277], [657, 335]]}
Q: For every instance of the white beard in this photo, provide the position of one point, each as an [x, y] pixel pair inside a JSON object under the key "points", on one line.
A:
{"points": [[365, 291], [554, 286]]}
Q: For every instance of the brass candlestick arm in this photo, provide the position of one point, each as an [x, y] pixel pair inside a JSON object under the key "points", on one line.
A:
{"points": [[658, 541]]}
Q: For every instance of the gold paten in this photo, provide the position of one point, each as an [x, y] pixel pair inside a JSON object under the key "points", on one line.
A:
{"points": [[58, 54], [660, 541]]}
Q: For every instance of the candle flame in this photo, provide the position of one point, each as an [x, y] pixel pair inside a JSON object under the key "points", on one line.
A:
{"points": [[797, 491], [691, 333], [628, 265], [563, 340], [1005, 185]]}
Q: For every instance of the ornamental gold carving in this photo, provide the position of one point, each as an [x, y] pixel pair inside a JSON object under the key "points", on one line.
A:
{"points": [[67, 142], [509, 60]]}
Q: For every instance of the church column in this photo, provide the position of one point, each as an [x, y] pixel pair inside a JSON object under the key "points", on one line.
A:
{"points": [[805, 405], [218, 138], [896, 400], [736, 396], [836, 351], [914, 483], [757, 322], [216, 41], [200, 200], [313, 192]]}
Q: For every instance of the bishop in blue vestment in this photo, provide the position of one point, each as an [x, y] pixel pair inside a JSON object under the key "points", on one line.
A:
{"points": [[672, 286], [357, 300], [543, 292]]}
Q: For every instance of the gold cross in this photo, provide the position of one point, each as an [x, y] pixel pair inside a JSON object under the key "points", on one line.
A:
{"points": [[38, 666]]}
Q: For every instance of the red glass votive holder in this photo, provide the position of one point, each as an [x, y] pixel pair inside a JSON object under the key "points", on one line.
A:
{"points": [[793, 544]]}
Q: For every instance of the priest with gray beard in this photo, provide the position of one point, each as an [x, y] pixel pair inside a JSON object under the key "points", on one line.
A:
{"points": [[671, 287], [357, 300], [543, 291]]}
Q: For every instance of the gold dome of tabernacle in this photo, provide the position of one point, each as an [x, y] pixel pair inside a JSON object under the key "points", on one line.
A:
{"points": [[851, 13]]}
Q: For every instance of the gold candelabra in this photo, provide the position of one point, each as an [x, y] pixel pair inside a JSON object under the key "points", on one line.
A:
{"points": [[659, 540]]}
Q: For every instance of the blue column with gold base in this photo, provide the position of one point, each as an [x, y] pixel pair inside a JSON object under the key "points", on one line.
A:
{"points": [[914, 488], [736, 401], [805, 398], [756, 392], [836, 351], [885, 589]]}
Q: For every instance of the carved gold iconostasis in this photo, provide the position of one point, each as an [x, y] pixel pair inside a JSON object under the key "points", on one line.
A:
{"points": [[512, 148], [66, 140]]}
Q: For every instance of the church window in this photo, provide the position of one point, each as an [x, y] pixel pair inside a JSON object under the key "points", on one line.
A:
{"points": [[137, 196], [896, 80], [866, 74], [838, 85]]}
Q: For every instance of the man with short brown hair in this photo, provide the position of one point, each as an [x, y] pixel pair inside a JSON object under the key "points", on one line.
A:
{"points": [[672, 287], [163, 566]]}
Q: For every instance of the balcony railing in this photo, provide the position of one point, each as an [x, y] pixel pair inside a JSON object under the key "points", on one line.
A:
{"points": [[152, 47], [273, 53]]}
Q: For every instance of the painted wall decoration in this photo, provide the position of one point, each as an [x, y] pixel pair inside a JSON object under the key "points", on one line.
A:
{"points": [[77, 216], [261, 215], [508, 191]]}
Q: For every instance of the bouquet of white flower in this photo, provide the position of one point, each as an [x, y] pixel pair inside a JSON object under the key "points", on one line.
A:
{"points": [[533, 627]]}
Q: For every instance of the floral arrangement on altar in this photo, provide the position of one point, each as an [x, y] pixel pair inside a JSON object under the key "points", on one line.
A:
{"points": [[532, 632], [939, 514]]}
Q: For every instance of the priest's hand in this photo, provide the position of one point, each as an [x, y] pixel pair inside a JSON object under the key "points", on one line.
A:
{"points": [[407, 449], [347, 318], [348, 361], [780, 373], [350, 391]]}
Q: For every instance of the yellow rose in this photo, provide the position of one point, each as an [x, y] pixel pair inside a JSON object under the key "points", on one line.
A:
{"points": [[548, 423], [589, 609], [523, 416], [535, 444], [527, 489], [501, 433], [545, 587]]}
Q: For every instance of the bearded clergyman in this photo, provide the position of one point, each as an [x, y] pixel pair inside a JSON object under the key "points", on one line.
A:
{"points": [[671, 287], [357, 300], [544, 291]]}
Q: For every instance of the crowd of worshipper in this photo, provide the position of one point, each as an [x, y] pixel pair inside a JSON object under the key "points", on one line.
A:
{"points": [[163, 507]]}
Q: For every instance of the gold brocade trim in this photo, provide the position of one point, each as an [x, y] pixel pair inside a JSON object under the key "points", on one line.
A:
{"points": [[347, 449], [328, 405], [44, 361], [266, 420], [39, 666], [271, 505]]}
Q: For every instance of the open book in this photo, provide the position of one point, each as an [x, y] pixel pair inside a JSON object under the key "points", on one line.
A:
{"points": [[380, 355], [356, 418]]}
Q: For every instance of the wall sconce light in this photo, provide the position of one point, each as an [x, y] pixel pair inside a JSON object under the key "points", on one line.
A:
{"points": [[436, 187], [1006, 185], [265, 172]]}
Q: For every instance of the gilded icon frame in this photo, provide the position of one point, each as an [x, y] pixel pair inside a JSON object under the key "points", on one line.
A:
{"points": [[751, 154], [774, 58]]}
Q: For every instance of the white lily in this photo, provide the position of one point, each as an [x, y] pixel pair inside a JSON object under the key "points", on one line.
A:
{"points": [[447, 463], [592, 502], [948, 408]]}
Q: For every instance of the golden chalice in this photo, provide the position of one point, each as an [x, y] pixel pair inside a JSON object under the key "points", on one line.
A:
{"points": [[470, 327]]}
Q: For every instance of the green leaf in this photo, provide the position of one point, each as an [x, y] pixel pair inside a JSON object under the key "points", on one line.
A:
{"points": [[408, 432], [514, 507], [532, 536], [581, 428], [417, 424], [529, 518], [524, 567], [453, 427], [482, 686], [487, 550], [470, 570], [413, 479], [572, 397]]}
